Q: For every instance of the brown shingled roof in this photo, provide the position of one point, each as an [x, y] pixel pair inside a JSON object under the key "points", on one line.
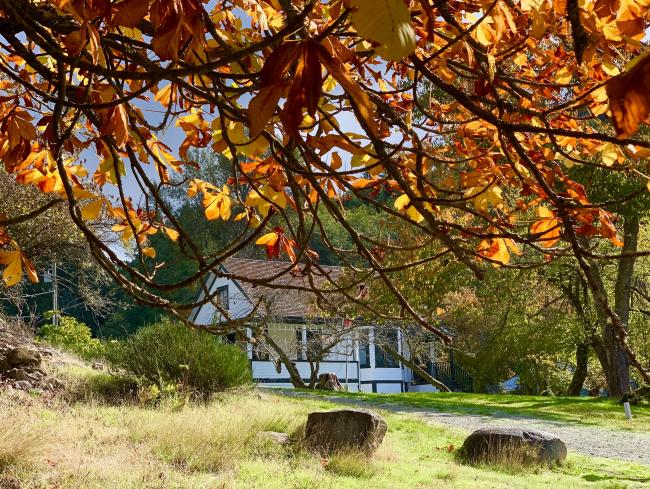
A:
{"points": [[284, 302]]}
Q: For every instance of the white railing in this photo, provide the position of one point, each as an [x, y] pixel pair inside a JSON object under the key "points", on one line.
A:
{"points": [[265, 371]]}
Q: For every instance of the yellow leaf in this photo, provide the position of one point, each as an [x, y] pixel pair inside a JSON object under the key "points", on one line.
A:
{"points": [[14, 268], [401, 202], [563, 75], [150, 252], [386, 22], [609, 154], [610, 69], [91, 211], [171, 233], [268, 239]]}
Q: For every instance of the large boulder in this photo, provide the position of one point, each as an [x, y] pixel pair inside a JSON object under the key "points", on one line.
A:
{"points": [[504, 445], [22, 357], [345, 429]]}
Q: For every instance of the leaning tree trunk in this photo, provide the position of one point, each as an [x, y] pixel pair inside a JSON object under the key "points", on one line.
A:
{"points": [[294, 375], [580, 373], [417, 369]]}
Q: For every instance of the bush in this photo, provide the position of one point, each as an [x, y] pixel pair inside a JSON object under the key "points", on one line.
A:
{"points": [[171, 353], [74, 336]]}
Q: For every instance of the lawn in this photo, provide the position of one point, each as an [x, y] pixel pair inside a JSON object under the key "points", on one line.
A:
{"points": [[82, 441], [602, 412]]}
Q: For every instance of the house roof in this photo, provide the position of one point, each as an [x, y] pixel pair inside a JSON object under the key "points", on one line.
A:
{"points": [[285, 303]]}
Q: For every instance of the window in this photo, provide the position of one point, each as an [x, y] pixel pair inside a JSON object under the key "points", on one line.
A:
{"points": [[364, 349], [383, 359], [222, 297]]}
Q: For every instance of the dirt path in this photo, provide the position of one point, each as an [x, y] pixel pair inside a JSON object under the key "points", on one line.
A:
{"points": [[588, 440]]}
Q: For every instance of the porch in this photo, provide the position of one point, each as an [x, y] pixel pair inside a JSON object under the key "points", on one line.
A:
{"points": [[266, 374]]}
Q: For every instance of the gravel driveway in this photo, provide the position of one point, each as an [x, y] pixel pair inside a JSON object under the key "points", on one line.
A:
{"points": [[598, 442]]}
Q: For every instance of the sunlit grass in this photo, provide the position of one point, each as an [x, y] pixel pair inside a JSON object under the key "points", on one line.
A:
{"points": [[582, 410], [97, 444]]}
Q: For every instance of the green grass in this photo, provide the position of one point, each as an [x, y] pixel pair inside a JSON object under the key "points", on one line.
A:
{"points": [[94, 444], [580, 410]]}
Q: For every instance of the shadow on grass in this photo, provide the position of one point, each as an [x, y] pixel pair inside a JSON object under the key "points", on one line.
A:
{"points": [[601, 478]]}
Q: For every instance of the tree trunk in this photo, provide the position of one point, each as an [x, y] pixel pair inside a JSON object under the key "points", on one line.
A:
{"points": [[294, 375], [580, 374], [618, 371], [417, 369]]}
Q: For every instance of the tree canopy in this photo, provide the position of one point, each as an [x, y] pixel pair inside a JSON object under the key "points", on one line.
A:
{"points": [[468, 114]]}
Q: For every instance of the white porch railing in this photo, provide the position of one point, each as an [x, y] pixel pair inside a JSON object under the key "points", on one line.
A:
{"points": [[265, 372]]}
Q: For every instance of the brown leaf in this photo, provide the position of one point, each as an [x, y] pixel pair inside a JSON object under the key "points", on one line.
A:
{"points": [[130, 12], [278, 64], [262, 107], [629, 97]]}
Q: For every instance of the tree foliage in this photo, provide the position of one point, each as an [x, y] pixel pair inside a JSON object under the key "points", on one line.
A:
{"points": [[310, 99]]}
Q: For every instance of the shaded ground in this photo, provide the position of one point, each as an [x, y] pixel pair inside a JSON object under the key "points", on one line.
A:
{"points": [[582, 438]]}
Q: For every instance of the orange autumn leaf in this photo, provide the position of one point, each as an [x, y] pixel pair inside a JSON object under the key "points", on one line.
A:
{"points": [[547, 229], [130, 12], [277, 241], [629, 97]]}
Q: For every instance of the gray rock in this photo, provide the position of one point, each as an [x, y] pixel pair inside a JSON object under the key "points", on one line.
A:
{"points": [[357, 429], [493, 445], [20, 374], [22, 385], [275, 437], [23, 357]]}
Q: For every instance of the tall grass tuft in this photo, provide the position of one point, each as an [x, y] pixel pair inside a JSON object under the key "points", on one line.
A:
{"points": [[350, 464], [21, 443], [216, 437]]}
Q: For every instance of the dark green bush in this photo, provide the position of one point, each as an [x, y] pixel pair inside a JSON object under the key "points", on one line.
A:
{"points": [[171, 353]]}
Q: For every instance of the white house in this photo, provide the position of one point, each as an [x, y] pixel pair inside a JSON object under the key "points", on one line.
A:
{"points": [[297, 324]]}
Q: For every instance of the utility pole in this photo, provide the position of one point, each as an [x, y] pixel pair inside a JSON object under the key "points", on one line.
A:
{"points": [[55, 295]]}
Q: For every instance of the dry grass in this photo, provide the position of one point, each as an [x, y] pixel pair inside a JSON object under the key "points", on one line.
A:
{"points": [[214, 437], [21, 443], [96, 445]]}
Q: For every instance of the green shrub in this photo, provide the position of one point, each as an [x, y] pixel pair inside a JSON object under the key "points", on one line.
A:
{"points": [[171, 353], [74, 336]]}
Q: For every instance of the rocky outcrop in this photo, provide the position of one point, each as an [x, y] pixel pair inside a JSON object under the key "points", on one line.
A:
{"points": [[505, 445], [20, 365], [345, 429]]}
